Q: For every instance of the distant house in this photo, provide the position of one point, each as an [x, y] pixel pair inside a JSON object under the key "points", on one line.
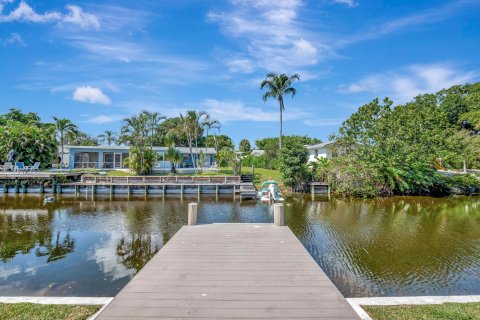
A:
{"points": [[115, 157], [320, 150], [257, 152]]}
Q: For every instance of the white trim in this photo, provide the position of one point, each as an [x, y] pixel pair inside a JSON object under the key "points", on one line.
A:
{"points": [[356, 303], [58, 300]]}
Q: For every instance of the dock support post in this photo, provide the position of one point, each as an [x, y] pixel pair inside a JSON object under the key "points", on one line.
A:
{"points": [[76, 190], [192, 214], [163, 191], [199, 190], [216, 189], [278, 214], [181, 189]]}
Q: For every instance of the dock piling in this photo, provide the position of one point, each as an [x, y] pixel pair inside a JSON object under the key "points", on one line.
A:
{"points": [[278, 215], [192, 213]]}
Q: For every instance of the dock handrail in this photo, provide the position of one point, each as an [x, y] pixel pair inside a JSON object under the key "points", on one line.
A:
{"points": [[92, 179]]}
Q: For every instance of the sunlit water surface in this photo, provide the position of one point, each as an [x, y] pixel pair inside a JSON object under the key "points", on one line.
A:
{"points": [[394, 246]]}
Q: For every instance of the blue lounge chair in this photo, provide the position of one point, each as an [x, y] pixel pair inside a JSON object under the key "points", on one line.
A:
{"points": [[19, 167], [34, 168]]}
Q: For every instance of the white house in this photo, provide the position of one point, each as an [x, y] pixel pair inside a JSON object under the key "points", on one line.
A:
{"points": [[320, 150]]}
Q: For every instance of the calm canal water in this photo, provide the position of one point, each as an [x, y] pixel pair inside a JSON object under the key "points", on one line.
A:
{"points": [[394, 246]]}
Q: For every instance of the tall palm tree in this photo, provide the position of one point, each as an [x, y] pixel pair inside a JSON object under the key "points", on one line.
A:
{"points": [[108, 136], [191, 128], [173, 156], [278, 86], [209, 124], [153, 121], [64, 127]]}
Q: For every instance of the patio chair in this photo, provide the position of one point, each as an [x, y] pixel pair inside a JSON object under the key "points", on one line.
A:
{"points": [[34, 168], [7, 166], [19, 167]]}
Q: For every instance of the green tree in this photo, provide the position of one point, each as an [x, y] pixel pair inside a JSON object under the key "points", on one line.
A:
{"points": [[191, 127], [278, 86], [80, 138], [171, 129], [64, 127], [153, 122], [136, 133], [293, 166], [209, 124], [174, 157], [17, 115], [220, 142], [245, 146], [31, 139], [109, 137]]}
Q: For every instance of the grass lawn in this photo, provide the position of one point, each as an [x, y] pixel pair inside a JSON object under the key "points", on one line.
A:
{"points": [[30, 311], [261, 175], [446, 311]]}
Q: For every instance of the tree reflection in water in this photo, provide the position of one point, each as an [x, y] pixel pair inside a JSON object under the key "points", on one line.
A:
{"points": [[58, 249], [134, 252]]}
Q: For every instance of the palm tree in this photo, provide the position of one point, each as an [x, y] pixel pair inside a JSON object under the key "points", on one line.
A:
{"points": [[209, 124], [153, 121], [64, 127], [109, 137], [191, 127], [174, 156], [278, 86]]}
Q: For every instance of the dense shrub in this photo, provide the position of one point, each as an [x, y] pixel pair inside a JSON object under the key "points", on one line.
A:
{"points": [[293, 165]]}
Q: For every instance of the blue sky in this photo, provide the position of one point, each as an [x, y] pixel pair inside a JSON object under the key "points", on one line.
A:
{"points": [[97, 62]]}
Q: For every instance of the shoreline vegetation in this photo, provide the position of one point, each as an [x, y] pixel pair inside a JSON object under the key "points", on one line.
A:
{"points": [[32, 311], [383, 149], [445, 311]]}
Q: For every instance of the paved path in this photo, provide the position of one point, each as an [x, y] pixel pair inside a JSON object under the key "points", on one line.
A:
{"points": [[231, 271]]}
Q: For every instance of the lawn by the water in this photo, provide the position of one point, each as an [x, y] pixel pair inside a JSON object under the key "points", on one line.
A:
{"points": [[30, 311], [446, 311]]}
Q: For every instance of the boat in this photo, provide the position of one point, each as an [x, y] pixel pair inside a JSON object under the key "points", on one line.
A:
{"points": [[270, 192], [48, 199]]}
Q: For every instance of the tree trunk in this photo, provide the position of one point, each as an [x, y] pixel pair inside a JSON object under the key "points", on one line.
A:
{"points": [[61, 156], [280, 101]]}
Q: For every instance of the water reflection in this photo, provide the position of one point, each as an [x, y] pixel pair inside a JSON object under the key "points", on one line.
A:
{"points": [[93, 247]]}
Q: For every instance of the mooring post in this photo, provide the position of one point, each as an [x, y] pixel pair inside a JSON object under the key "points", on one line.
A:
{"points": [[192, 213], [278, 214]]}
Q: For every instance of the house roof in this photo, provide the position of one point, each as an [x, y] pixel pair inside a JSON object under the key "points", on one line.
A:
{"points": [[126, 148], [257, 152], [319, 145]]}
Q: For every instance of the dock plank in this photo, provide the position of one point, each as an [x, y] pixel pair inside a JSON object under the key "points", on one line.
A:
{"points": [[231, 271]]}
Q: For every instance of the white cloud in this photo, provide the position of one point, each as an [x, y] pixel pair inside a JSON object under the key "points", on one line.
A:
{"points": [[78, 17], [272, 35], [349, 3], [14, 39], [91, 95], [403, 85], [227, 111], [74, 16], [240, 65], [327, 122], [104, 118], [435, 14]]}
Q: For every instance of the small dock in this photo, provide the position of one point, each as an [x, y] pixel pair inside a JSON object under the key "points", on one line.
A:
{"points": [[231, 271], [319, 187]]}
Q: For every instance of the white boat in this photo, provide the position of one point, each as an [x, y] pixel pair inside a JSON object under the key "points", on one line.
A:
{"points": [[270, 192]]}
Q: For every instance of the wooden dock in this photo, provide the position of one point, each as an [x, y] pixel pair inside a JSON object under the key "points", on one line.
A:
{"points": [[231, 271]]}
